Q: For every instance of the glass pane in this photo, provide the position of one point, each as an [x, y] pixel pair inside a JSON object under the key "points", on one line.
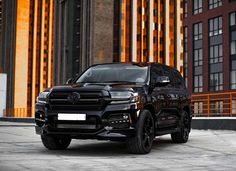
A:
{"points": [[221, 50], [233, 48], [233, 77], [221, 78], [200, 81], [216, 24], [211, 25], [232, 18], [200, 28], [200, 54], [216, 54], [220, 22], [196, 81], [200, 3], [195, 55], [195, 29], [195, 5]]}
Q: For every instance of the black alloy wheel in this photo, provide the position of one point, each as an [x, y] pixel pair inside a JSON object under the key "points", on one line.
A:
{"points": [[142, 142], [183, 135]]}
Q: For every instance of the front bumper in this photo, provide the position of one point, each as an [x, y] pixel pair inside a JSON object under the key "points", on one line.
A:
{"points": [[99, 125]]}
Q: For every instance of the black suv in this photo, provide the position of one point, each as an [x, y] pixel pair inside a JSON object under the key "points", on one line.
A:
{"points": [[119, 102]]}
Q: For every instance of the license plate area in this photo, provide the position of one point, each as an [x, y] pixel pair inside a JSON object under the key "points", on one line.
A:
{"points": [[71, 117]]}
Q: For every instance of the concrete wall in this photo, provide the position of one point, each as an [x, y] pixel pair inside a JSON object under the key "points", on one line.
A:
{"points": [[3, 93]]}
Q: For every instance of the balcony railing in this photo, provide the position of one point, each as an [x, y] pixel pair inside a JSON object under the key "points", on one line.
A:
{"points": [[214, 104]]}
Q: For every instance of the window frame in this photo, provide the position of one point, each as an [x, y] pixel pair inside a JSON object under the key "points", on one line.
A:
{"points": [[214, 4], [215, 26]]}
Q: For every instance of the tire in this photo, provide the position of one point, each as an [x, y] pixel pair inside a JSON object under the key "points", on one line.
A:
{"points": [[185, 126], [142, 142], [55, 143]]}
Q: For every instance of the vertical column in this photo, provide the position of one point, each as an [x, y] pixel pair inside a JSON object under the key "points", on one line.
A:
{"points": [[151, 28], [50, 44], [134, 30], [123, 31], [35, 38], [159, 31], [21, 55], [42, 47], [167, 40], [179, 37], [142, 28], [226, 52]]}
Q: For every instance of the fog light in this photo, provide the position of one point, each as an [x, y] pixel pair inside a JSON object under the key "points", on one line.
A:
{"points": [[119, 120], [125, 116]]}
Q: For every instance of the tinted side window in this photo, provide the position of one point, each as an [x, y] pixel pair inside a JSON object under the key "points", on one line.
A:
{"points": [[178, 80], [156, 71]]}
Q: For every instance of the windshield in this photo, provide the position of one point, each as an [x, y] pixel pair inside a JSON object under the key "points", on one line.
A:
{"points": [[114, 73]]}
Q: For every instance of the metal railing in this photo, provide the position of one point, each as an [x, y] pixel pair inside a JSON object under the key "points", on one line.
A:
{"points": [[214, 104]]}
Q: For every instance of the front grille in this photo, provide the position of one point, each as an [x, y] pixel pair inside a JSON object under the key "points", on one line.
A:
{"points": [[87, 101]]}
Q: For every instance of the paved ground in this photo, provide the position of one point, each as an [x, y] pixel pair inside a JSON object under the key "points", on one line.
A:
{"points": [[21, 149]]}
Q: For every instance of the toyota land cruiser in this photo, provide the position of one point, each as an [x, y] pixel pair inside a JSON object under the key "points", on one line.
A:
{"points": [[122, 102]]}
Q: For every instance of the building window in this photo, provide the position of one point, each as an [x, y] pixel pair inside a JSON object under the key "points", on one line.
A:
{"points": [[197, 57], [185, 8], [215, 26], [233, 111], [233, 19], [216, 53], [216, 81], [198, 108], [217, 107], [233, 47], [198, 84], [233, 80], [215, 3], [197, 6], [197, 31]]}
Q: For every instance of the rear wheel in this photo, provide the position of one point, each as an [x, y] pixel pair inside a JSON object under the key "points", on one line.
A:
{"points": [[142, 142], [183, 135], [55, 143]]}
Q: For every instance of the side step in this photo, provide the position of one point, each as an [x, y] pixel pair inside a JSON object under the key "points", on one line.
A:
{"points": [[167, 131]]}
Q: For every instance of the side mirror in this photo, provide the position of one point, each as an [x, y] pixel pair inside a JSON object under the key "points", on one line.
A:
{"points": [[70, 81], [162, 80]]}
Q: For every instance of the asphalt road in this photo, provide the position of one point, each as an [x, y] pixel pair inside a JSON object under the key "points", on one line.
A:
{"points": [[21, 149]]}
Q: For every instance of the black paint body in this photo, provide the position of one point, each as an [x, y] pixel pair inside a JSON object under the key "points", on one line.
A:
{"points": [[165, 102]]}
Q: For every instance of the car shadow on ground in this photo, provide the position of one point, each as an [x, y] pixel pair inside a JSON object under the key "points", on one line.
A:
{"points": [[105, 148]]}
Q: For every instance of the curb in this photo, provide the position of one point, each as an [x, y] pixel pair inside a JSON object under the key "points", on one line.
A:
{"points": [[214, 123]]}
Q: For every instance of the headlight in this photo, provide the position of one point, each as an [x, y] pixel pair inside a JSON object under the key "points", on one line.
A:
{"points": [[123, 97], [42, 97]]}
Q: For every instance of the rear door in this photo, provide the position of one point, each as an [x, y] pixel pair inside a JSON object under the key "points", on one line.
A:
{"points": [[180, 90]]}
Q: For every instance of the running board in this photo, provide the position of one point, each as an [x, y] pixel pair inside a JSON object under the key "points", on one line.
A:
{"points": [[167, 131]]}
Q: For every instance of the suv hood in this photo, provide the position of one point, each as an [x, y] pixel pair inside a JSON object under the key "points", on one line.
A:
{"points": [[98, 87]]}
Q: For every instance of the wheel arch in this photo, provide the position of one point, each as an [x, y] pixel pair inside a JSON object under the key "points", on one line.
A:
{"points": [[187, 109], [151, 109]]}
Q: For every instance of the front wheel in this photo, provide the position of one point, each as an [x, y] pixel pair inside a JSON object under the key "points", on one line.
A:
{"points": [[183, 135], [142, 142], [55, 143]]}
